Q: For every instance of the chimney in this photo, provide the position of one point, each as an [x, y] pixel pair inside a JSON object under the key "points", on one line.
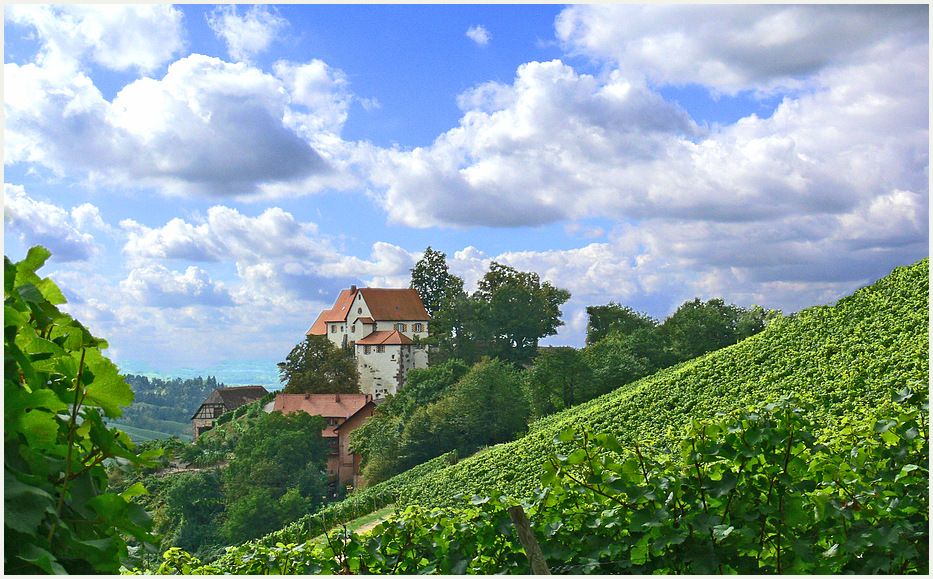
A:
{"points": [[352, 289], [337, 397]]}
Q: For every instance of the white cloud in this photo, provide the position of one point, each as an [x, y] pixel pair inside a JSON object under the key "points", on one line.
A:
{"points": [[248, 34], [735, 48], [206, 128], [321, 90], [478, 34], [276, 256], [119, 37], [38, 223], [157, 286], [554, 145]]}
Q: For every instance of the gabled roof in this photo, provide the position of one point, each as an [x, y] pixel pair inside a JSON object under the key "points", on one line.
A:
{"points": [[395, 304], [236, 396], [387, 305], [326, 405], [385, 338], [337, 314]]}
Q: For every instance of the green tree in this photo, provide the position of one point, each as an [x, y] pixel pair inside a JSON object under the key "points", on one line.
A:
{"points": [[619, 359], [558, 379], [614, 317], [316, 366], [194, 503], [278, 454], [519, 310], [434, 282], [697, 328], [58, 390], [379, 440], [490, 403]]}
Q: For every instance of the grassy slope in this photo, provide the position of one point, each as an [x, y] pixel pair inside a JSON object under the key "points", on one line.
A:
{"points": [[846, 357]]}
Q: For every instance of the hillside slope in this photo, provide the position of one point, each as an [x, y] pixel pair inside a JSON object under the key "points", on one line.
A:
{"points": [[846, 358]]}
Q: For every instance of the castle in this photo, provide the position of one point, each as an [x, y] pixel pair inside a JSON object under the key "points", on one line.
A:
{"points": [[380, 327]]}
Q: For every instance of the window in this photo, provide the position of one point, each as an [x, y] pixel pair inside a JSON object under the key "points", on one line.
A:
{"points": [[380, 349], [359, 310], [353, 328], [417, 327], [401, 327], [367, 349], [333, 329]]}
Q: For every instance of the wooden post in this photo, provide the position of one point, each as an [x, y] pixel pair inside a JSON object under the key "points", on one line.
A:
{"points": [[527, 537]]}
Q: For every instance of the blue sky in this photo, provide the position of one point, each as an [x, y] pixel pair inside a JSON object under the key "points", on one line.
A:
{"points": [[209, 177]]}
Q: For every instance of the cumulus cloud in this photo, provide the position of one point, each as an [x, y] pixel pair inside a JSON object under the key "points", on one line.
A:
{"points": [[554, 144], [157, 286], [39, 223], [206, 128], [275, 254], [248, 34], [735, 48], [119, 37], [478, 34]]}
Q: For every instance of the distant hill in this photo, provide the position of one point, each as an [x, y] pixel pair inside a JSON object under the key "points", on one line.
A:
{"points": [[231, 373], [847, 358]]}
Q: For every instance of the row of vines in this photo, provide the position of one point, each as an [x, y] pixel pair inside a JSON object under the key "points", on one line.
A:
{"points": [[765, 490]]}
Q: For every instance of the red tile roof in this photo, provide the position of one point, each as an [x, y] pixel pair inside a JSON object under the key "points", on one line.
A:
{"points": [[326, 405], [387, 305], [387, 337], [337, 314], [395, 304]]}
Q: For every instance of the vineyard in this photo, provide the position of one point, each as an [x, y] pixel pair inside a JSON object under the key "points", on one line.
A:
{"points": [[676, 472]]}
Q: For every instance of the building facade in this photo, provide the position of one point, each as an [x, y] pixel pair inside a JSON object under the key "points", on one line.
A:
{"points": [[381, 328]]}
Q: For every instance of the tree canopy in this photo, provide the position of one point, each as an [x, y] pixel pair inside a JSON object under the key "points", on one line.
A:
{"points": [[504, 318], [316, 366]]}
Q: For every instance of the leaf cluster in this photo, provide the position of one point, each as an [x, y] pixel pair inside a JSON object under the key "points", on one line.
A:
{"points": [[58, 390]]}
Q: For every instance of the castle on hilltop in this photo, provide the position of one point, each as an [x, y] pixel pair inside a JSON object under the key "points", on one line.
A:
{"points": [[380, 327]]}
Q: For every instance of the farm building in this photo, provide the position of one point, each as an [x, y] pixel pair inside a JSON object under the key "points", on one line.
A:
{"points": [[223, 400]]}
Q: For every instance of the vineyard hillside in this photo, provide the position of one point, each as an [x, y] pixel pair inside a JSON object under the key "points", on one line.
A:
{"points": [[846, 358]]}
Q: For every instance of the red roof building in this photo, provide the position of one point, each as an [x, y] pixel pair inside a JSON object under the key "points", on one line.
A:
{"points": [[382, 327]]}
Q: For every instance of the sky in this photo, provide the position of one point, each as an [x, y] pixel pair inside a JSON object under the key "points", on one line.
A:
{"points": [[208, 178]]}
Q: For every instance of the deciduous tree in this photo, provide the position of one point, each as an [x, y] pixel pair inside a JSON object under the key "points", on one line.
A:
{"points": [[519, 310], [316, 366]]}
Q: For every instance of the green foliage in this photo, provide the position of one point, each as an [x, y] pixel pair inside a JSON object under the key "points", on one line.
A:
{"points": [[280, 453], [845, 358], [559, 379], [58, 390], [769, 491], [614, 318], [194, 503], [765, 491], [621, 359], [433, 282], [316, 366], [519, 310]]}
